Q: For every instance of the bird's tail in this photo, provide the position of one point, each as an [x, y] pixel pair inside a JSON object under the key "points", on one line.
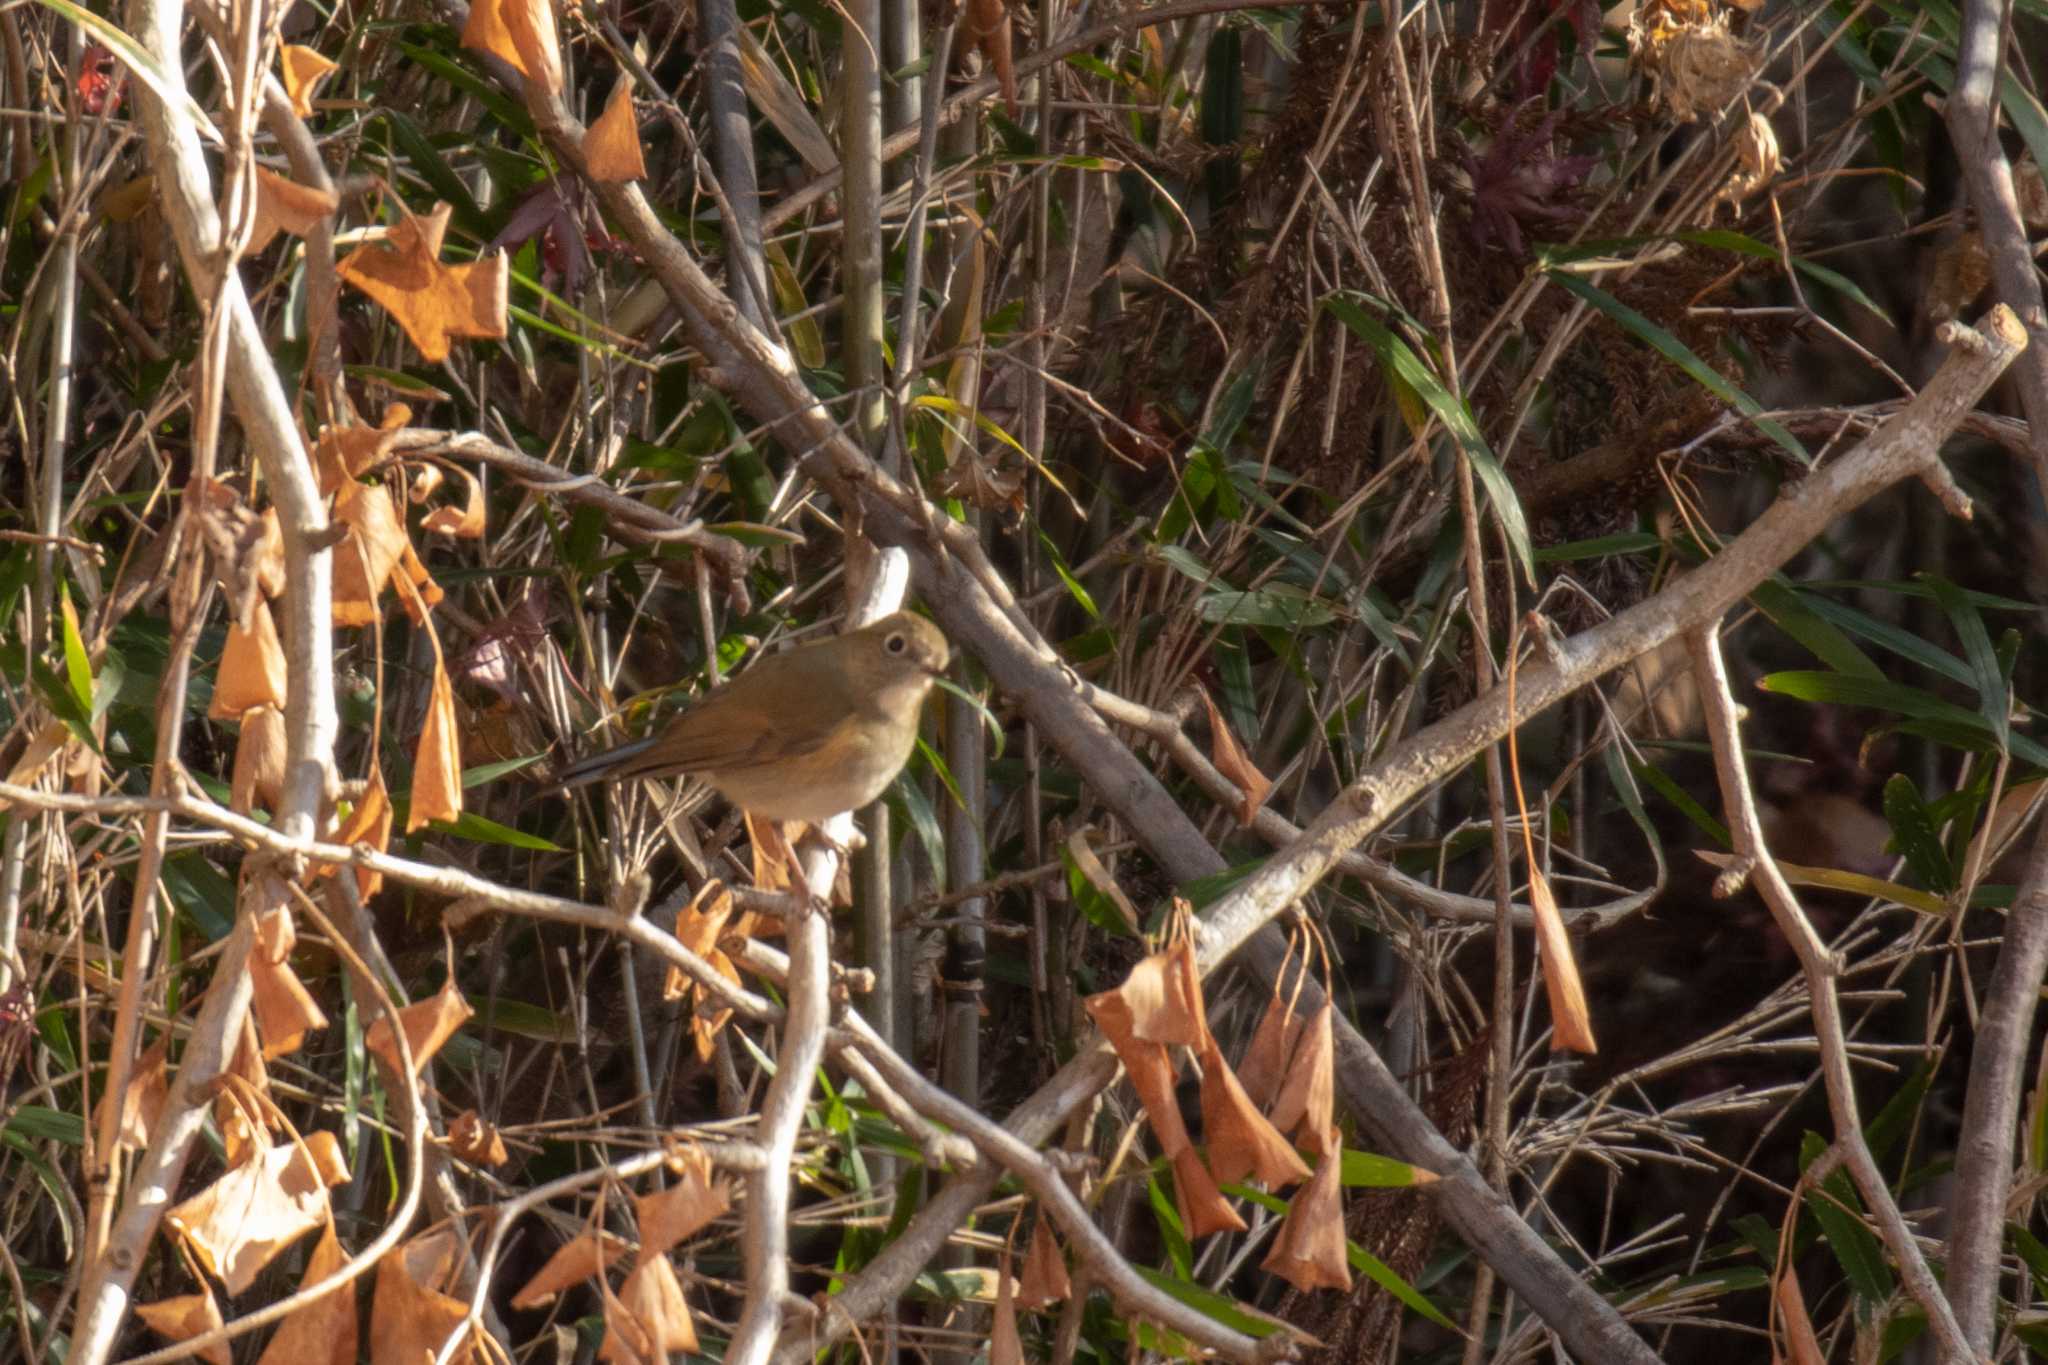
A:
{"points": [[594, 766]]}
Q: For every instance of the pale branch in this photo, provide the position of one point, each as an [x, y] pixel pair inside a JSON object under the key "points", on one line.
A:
{"points": [[1821, 968], [1991, 1103], [471, 894], [1973, 118], [186, 194], [807, 1020]]}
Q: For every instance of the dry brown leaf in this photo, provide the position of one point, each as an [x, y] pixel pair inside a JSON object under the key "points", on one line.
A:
{"points": [[1203, 1209], [668, 1216], [586, 1254], [1571, 1022], [1150, 1067], [704, 1027], [1264, 1069], [1757, 160], [303, 69], [1044, 1279], [434, 302], [627, 1340], [322, 1332], [485, 31], [47, 744], [242, 1221], [252, 671], [424, 591], [1005, 1346], [1308, 1251], [285, 1009], [1308, 1096], [611, 146], [655, 1299], [475, 1140], [142, 1103], [437, 763], [988, 24], [702, 921], [410, 1314], [464, 523], [428, 1024], [321, 1163], [1241, 1142], [186, 1316], [244, 1122], [346, 453], [285, 206], [259, 761], [1164, 996], [365, 559], [531, 26], [1234, 763], [368, 822], [775, 863]]}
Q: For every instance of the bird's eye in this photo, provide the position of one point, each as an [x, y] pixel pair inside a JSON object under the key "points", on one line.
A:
{"points": [[895, 644]]}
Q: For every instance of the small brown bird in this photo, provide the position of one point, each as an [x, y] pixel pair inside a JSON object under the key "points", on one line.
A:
{"points": [[801, 735]]}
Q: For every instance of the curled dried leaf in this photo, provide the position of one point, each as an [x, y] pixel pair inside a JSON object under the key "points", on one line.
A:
{"points": [[1241, 1142], [437, 762], [184, 1316], [611, 145], [428, 1024], [244, 1220], [302, 69], [1203, 1209], [1309, 1250], [324, 1331], [668, 1216], [1234, 763], [434, 302], [576, 1260], [411, 1314], [1044, 1279], [1571, 1021], [655, 1299], [475, 1140]]}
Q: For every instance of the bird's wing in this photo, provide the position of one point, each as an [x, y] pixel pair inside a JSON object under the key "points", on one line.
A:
{"points": [[781, 714]]}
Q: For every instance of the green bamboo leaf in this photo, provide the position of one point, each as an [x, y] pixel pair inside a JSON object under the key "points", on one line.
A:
{"points": [[1788, 610], [470, 825], [429, 165], [1914, 835], [1404, 365], [1925, 712], [77, 663], [1623, 543], [1681, 355], [1986, 674], [1372, 1171], [1212, 1305], [1655, 779], [1887, 636], [1839, 1211]]}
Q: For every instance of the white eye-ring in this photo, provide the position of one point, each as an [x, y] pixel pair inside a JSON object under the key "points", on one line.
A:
{"points": [[895, 644]]}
